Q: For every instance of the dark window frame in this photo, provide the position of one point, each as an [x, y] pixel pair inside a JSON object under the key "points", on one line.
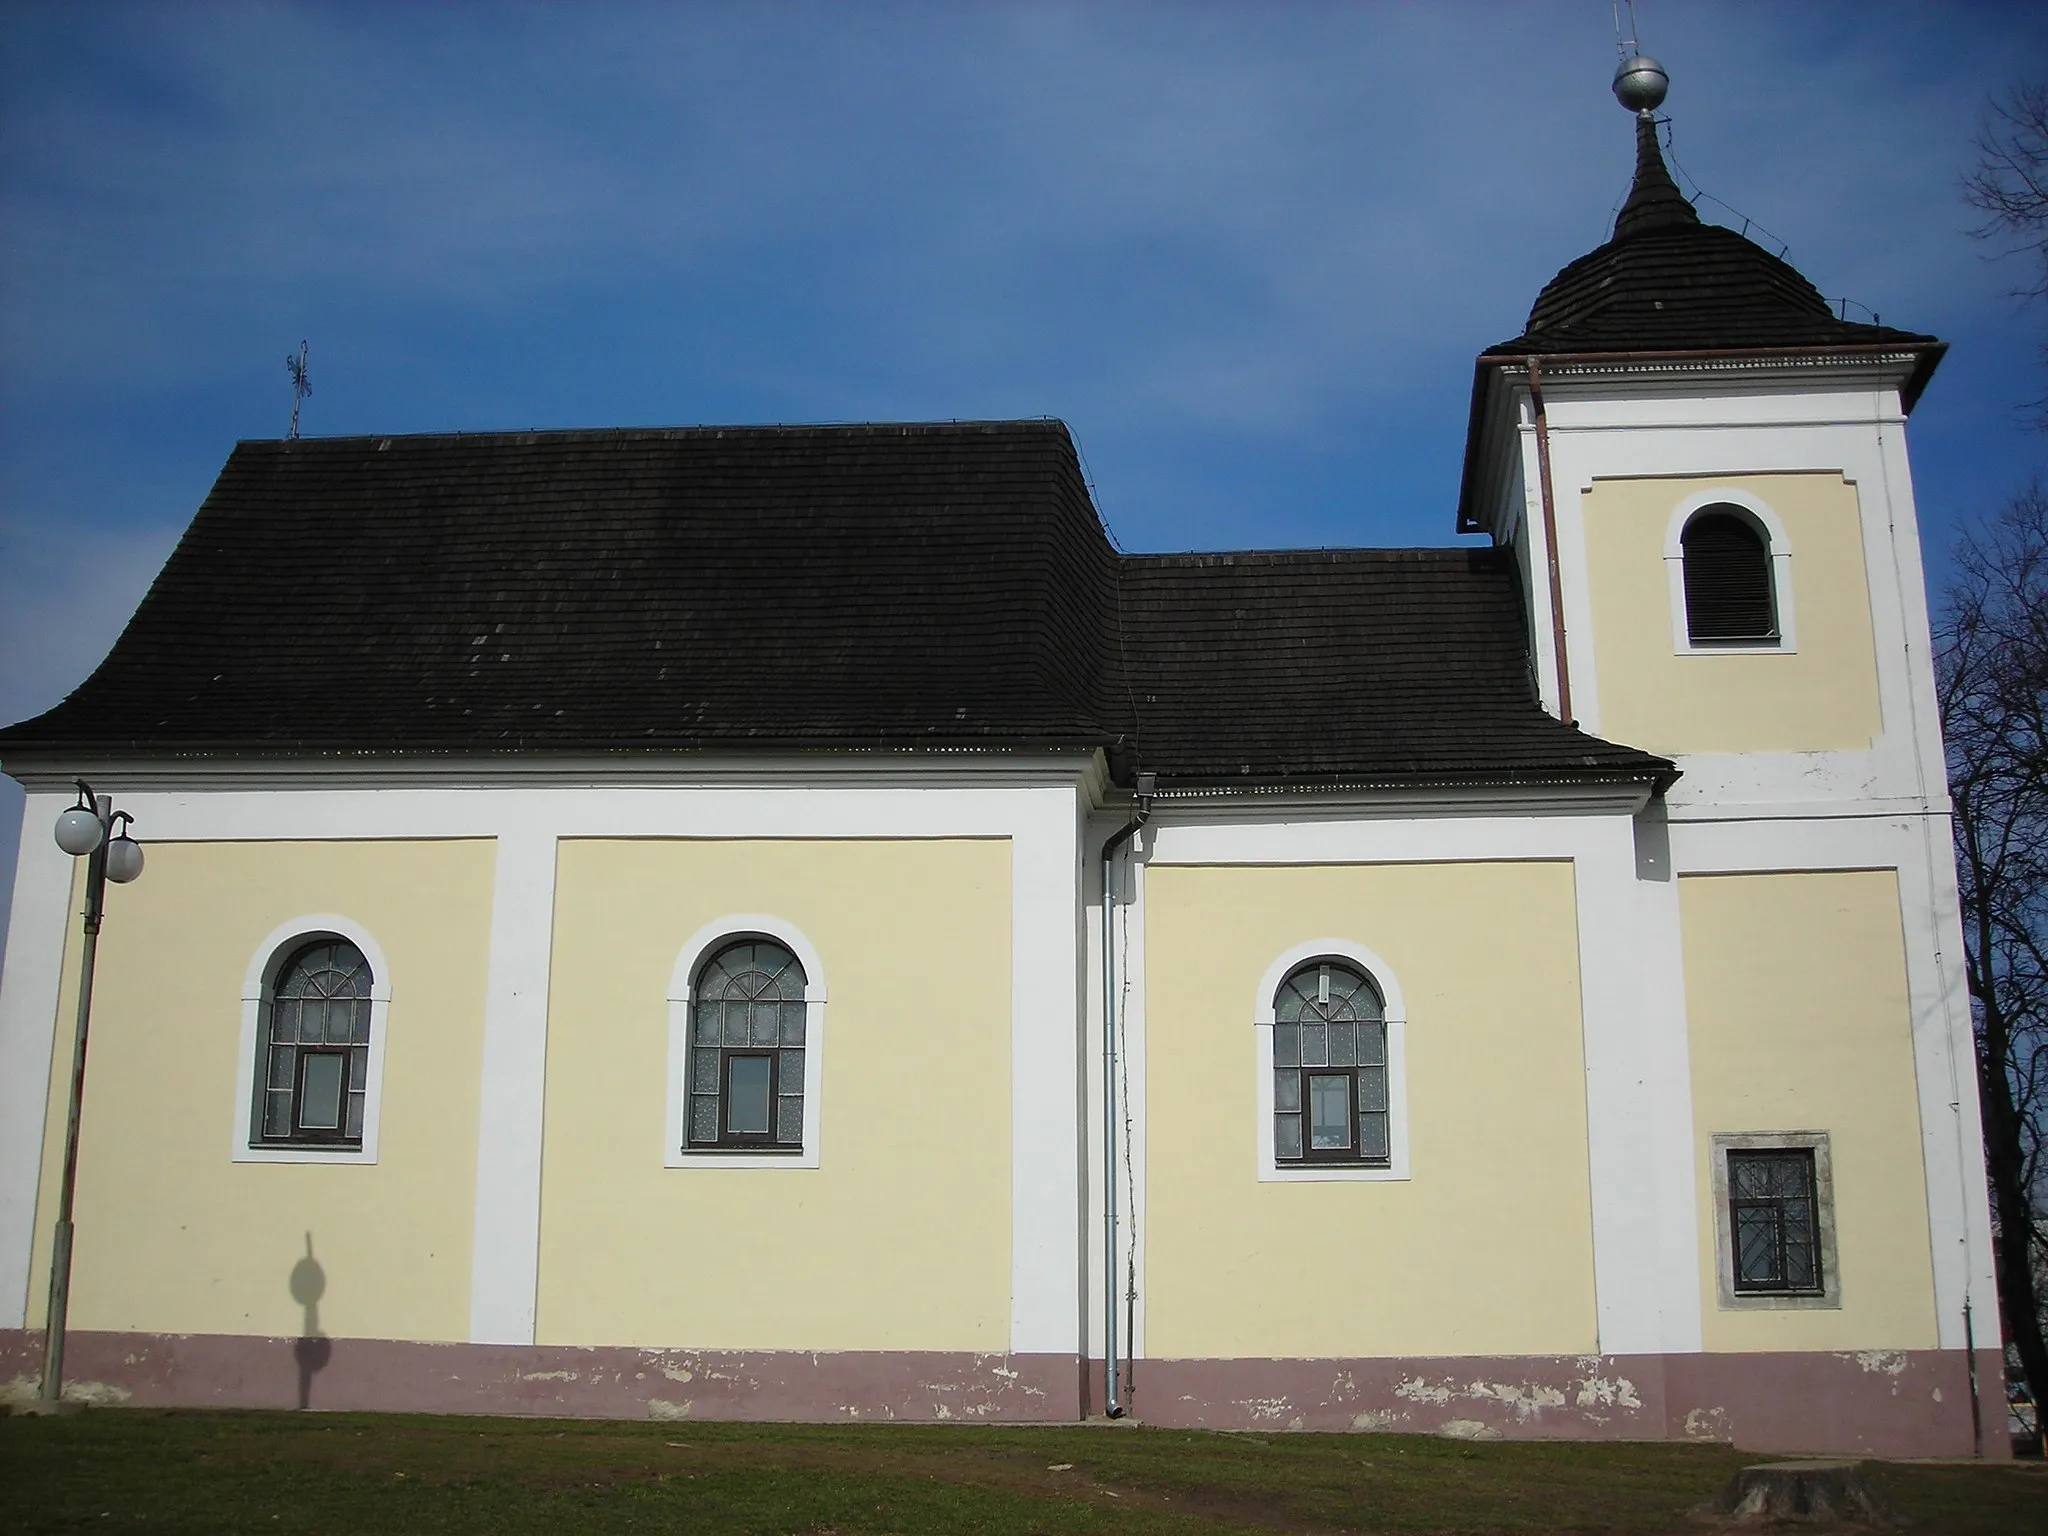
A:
{"points": [[1730, 580], [782, 1101], [1789, 1221], [290, 987], [1303, 1074], [728, 1058], [1824, 1293]]}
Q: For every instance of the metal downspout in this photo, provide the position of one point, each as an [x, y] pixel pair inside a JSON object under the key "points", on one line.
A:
{"points": [[1112, 1386]]}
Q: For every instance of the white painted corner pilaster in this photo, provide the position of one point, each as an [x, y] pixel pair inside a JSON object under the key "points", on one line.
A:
{"points": [[505, 1254], [1646, 1264], [29, 989], [1045, 1041], [1945, 1074], [1536, 562]]}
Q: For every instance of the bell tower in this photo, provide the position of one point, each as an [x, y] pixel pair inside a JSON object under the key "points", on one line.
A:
{"points": [[1702, 472]]}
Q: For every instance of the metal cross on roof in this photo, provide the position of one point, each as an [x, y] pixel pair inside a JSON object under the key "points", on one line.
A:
{"points": [[302, 384]]}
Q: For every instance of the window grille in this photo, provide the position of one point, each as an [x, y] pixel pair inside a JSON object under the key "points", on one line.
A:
{"points": [[1330, 1068], [316, 1051], [747, 1044], [1728, 588], [1774, 1222]]}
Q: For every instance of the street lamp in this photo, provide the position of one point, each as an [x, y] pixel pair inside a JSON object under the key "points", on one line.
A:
{"points": [[95, 831]]}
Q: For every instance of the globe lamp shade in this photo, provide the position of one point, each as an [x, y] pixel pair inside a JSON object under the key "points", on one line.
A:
{"points": [[124, 859], [79, 831]]}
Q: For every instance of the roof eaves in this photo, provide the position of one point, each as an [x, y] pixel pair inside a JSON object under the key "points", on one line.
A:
{"points": [[1925, 353]]}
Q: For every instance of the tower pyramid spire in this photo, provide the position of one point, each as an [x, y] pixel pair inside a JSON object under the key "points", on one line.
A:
{"points": [[1654, 202]]}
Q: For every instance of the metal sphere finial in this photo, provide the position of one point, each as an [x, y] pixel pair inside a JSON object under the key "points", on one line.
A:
{"points": [[1640, 83]]}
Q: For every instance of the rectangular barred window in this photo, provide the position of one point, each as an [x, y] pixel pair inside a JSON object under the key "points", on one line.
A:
{"points": [[1774, 1222]]}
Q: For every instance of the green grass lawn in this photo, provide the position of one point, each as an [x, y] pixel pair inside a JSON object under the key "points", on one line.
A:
{"points": [[134, 1470]]}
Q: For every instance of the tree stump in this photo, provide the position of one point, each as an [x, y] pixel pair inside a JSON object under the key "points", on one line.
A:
{"points": [[1803, 1493]]}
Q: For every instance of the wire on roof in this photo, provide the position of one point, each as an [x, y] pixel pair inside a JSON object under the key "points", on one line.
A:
{"points": [[1750, 228]]}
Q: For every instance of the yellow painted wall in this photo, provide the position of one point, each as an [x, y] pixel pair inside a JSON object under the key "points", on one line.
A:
{"points": [[1488, 1248], [173, 1236], [901, 1238], [1798, 1018], [1821, 698]]}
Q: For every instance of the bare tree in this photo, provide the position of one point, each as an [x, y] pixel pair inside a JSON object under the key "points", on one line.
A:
{"points": [[2010, 183], [1992, 645], [2009, 186]]}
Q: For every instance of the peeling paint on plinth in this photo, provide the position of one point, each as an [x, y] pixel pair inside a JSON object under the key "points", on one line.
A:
{"points": [[1867, 1403], [1607, 1392], [217, 1370], [1870, 1404], [1419, 1391], [1706, 1424]]}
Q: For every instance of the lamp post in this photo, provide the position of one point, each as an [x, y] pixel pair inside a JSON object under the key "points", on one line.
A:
{"points": [[95, 831]]}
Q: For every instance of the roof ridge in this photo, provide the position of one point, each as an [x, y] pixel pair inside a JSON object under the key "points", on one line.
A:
{"points": [[1332, 553], [948, 427]]}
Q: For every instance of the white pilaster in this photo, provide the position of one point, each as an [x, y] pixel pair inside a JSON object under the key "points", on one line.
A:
{"points": [[28, 1032], [1045, 1066], [505, 1254], [1638, 1092]]}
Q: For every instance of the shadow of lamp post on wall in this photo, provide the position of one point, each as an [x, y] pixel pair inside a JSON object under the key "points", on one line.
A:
{"points": [[92, 830], [312, 1349]]}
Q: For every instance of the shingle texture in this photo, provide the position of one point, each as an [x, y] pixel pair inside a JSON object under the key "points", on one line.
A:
{"points": [[1329, 664], [865, 587], [1667, 282]]}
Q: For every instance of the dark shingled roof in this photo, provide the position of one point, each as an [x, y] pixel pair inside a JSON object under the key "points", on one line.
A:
{"points": [[927, 587], [1381, 664], [1667, 282]]}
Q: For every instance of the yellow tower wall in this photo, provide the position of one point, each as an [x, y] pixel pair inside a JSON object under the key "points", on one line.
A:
{"points": [[1798, 1019], [1820, 697]]}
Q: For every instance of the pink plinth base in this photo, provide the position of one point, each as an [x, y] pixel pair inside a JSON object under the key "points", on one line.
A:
{"points": [[1907, 1403]]}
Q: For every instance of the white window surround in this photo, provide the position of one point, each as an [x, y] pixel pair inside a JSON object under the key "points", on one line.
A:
{"points": [[1728, 1298], [1775, 539], [1271, 1171], [264, 965], [676, 1151]]}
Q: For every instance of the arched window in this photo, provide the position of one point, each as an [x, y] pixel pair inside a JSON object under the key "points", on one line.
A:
{"points": [[747, 1043], [1729, 597], [315, 1072], [1330, 1069]]}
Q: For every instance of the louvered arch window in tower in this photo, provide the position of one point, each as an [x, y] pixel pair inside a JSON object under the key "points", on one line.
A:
{"points": [[1728, 589]]}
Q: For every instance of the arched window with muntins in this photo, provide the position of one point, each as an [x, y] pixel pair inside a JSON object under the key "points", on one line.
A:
{"points": [[1728, 588], [1330, 1099], [747, 1047], [316, 1048]]}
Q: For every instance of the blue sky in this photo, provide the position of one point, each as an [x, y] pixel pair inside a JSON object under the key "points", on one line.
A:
{"points": [[1247, 252]]}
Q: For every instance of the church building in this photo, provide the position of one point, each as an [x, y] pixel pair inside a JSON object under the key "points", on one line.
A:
{"points": [[789, 922]]}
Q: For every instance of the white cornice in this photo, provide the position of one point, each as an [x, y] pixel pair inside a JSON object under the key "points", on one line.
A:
{"points": [[850, 769], [1380, 802]]}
